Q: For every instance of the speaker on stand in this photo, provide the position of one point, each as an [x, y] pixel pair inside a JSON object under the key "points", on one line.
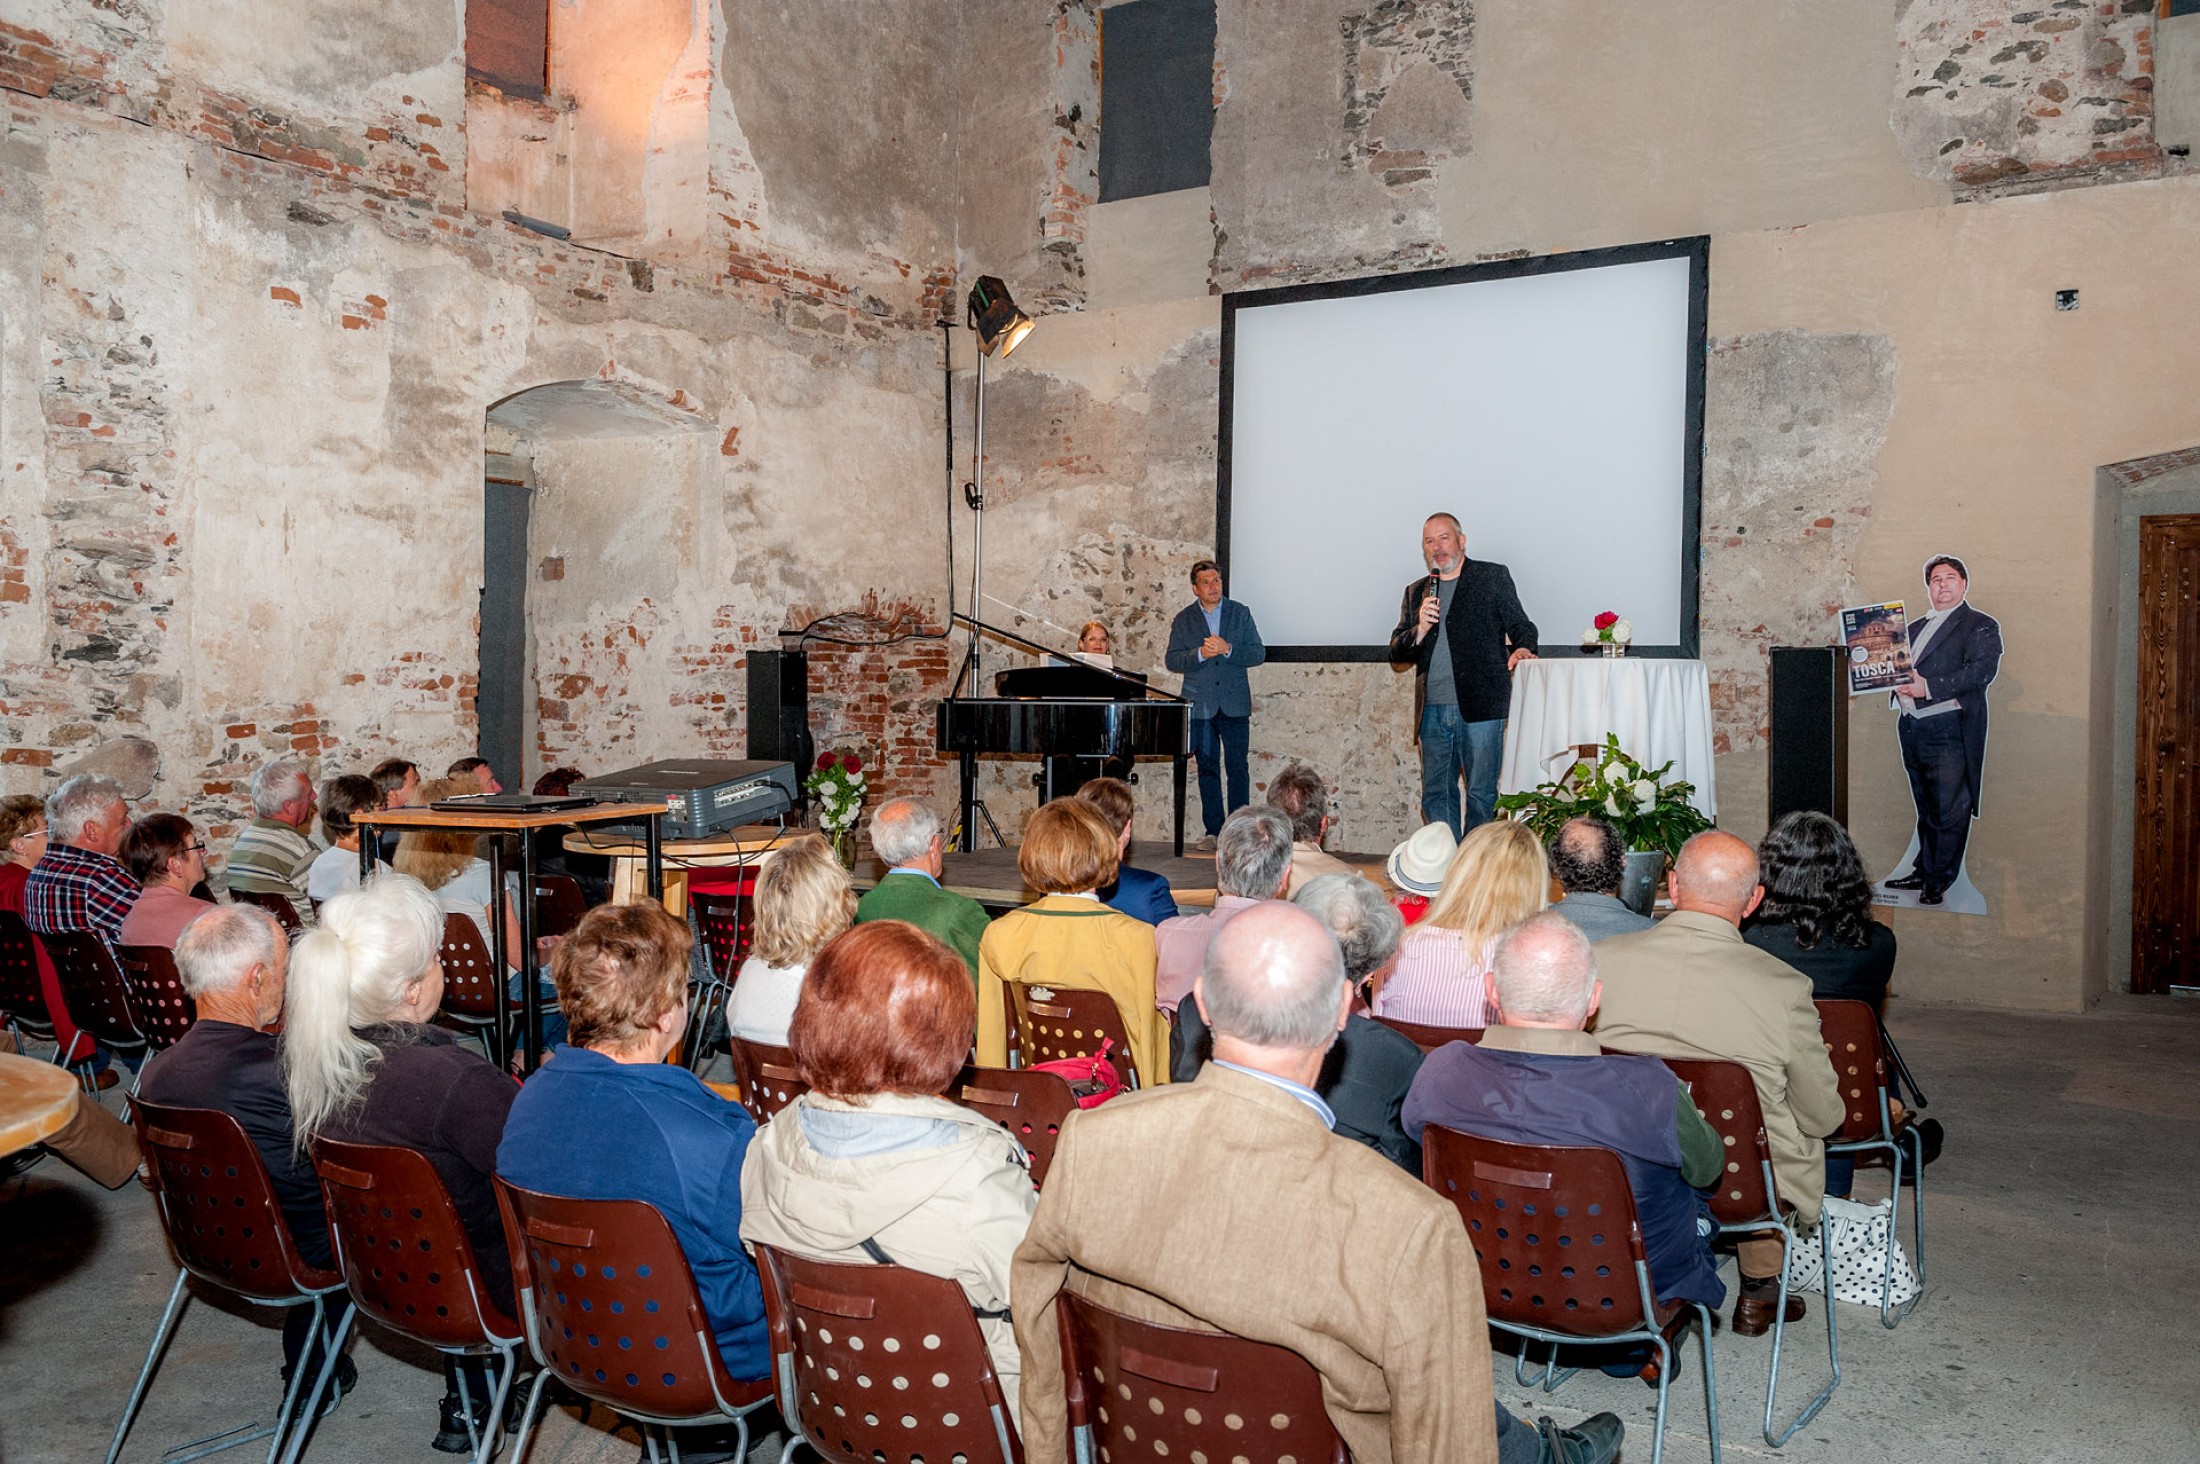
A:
{"points": [[1809, 762], [779, 710]]}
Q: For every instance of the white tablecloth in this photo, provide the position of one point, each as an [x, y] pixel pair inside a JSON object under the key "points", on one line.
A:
{"points": [[1661, 710]]}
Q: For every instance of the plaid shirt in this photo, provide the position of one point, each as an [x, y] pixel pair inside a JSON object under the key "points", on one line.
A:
{"points": [[74, 889]]}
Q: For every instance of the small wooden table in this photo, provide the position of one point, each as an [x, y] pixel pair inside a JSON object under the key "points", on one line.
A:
{"points": [[502, 821], [730, 850], [37, 1100]]}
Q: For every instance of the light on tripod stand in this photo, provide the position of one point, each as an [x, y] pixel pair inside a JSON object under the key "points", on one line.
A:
{"points": [[999, 325]]}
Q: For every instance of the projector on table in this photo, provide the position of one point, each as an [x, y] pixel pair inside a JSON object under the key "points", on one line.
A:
{"points": [[702, 796]]}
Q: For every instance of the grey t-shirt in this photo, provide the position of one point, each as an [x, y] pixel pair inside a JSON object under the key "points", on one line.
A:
{"points": [[1441, 691]]}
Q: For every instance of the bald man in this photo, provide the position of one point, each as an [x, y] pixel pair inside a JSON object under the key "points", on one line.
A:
{"points": [[1228, 1203], [1690, 988]]}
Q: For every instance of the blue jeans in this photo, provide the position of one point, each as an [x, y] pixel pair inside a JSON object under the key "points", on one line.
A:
{"points": [[546, 991], [1454, 750], [1230, 734]]}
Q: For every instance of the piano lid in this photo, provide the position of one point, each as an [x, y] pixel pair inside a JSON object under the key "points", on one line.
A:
{"points": [[1068, 681]]}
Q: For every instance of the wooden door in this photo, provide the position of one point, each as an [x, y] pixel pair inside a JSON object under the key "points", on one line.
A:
{"points": [[2165, 874]]}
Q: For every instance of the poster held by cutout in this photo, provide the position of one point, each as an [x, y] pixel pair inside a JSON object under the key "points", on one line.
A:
{"points": [[1955, 653], [1878, 639]]}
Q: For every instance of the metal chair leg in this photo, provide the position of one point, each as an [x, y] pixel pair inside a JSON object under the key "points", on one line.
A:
{"points": [[1779, 1332], [310, 1412], [176, 1298], [492, 1432], [1710, 1374], [526, 1417]]}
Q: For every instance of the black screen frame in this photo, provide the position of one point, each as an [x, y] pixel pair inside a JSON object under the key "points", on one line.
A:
{"points": [[1696, 249]]}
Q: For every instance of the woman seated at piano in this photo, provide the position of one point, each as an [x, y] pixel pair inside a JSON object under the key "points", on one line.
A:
{"points": [[1068, 939]]}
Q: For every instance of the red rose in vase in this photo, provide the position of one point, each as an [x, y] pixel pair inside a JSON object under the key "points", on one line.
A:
{"points": [[826, 761], [854, 765], [1607, 620]]}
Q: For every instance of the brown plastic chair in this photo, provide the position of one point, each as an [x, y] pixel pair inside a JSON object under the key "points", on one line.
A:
{"points": [[766, 1075], [611, 1310], [882, 1365], [1562, 1257], [407, 1263], [1031, 1105], [1138, 1390], [1868, 1130], [1746, 1201], [1428, 1038], [164, 1009], [725, 922], [279, 906], [1069, 1021], [559, 904], [23, 996], [473, 995], [91, 982], [226, 1227]]}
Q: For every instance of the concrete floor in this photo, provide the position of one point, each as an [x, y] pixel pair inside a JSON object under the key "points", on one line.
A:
{"points": [[2051, 1329]]}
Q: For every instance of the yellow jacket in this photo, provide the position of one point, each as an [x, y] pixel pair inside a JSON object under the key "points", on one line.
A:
{"points": [[1066, 941]]}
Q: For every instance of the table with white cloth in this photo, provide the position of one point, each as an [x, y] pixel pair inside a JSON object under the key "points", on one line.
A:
{"points": [[1660, 710]]}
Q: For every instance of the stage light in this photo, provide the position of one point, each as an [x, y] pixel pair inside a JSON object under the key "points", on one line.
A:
{"points": [[999, 325]]}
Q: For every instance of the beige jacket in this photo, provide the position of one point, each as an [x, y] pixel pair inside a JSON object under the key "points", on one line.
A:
{"points": [[1224, 1203], [1689, 987], [1311, 861], [956, 1210]]}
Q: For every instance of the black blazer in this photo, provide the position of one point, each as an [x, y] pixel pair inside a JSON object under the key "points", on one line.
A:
{"points": [[1961, 660], [1485, 616]]}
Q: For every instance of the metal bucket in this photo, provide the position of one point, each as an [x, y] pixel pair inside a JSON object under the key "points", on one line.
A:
{"points": [[1638, 886]]}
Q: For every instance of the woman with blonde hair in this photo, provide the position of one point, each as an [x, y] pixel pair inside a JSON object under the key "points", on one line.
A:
{"points": [[1068, 938], [803, 900], [1498, 878]]}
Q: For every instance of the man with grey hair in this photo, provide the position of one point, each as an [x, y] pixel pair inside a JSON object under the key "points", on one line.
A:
{"points": [[79, 884], [906, 834], [1252, 864], [1365, 1077], [1538, 1078], [1176, 1206], [273, 853], [1298, 792], [235, 963], [1588, 860]]}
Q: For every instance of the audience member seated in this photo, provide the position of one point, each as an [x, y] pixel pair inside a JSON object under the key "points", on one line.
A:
{"points": [[234, 962], [78, 884], [1299, 795], [1138, 893], [363, 1065], [335, 869], [871, 1163], [905, 834], [610, 1119], [1690, 987], [271, 856], [1067, 938], [1497, 879], [1252, 864], [803, 899], [1178, 1206], [1417, 868], [475, 770], [592, 872], [1588, 860], [1538, 1078], [1370, 1067], [167, 856], [399, 781], [22, 845]]}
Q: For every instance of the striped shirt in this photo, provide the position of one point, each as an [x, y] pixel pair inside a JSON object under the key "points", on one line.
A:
{"points": [[271, 858], [1439, 982], [72, 889]]}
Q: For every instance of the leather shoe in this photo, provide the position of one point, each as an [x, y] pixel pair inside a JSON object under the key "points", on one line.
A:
{"points": [[1592, 1441], [1907, 882], [107, 1080], [1753, 1314], [1931, 897]]}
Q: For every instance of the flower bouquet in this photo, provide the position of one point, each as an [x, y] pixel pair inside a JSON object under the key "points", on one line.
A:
{"points": [[1651, 814], [1608, 634], [838, 785]]}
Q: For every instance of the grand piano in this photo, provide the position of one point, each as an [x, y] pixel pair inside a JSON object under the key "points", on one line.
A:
{"points": [[1062, 712]]}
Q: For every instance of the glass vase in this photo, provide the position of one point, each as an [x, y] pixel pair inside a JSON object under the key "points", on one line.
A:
{"points": [[1611, 650], [844, 846]]}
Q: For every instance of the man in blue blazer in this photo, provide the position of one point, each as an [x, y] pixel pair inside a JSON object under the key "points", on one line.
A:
{"points": [[1955, 651], [1211, 644]]}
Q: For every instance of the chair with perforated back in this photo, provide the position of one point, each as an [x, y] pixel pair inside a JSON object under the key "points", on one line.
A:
{"points": [[1428, 1038], [226, 1227], [721, 923], [1138, 1390], [1746, 1201], [279, 906], [559, 904], [407, 1263], [1031, 1105], [1067, 1021], [611, 1310], [1868, 1131], [164, 1009], [93, 986], [1562, 1256], [882, 1365], [767, 1077], [23, 996], [473, 997]]}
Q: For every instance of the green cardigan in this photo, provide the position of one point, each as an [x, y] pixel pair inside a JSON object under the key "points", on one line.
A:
{"points": [[957, 920]]}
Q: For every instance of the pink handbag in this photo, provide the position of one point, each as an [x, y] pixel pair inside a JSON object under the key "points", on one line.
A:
{"points": [[1092, 1079]]}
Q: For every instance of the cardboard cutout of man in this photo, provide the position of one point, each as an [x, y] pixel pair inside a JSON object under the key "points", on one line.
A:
{"points": [[1955, 653]]}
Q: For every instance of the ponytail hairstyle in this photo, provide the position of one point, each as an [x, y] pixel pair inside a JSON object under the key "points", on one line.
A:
{"points": [[351, 971]]}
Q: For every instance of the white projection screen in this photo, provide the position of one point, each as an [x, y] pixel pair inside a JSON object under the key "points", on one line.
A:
{"points": [[1554, 404]]}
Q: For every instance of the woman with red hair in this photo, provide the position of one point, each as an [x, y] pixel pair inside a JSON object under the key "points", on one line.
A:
{"points": [[872, 1163]]}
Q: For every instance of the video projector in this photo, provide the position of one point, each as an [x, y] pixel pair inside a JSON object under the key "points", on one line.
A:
{"points": [[702, 796]]}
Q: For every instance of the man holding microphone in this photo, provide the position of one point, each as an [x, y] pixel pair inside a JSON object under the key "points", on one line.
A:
{"points": [[1462, 630]]}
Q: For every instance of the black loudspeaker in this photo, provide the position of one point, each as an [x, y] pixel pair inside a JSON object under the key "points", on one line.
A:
{"points": [[1810, 732], [779, 710]]}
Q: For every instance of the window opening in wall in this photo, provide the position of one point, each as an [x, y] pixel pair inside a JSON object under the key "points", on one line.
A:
{"points": [[508, 45], [1157, 109]]}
